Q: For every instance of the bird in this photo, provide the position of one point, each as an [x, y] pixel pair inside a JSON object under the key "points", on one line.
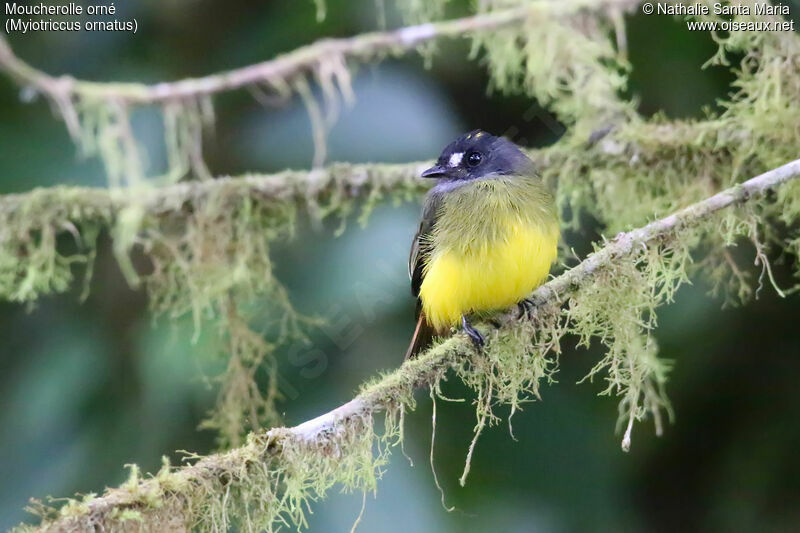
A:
{"points": [[487, 238]]}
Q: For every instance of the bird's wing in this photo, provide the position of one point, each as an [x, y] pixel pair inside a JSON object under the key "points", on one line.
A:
{"points": [[420, 246], [420, 251]]}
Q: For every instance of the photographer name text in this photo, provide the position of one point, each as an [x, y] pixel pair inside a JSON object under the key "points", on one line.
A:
{"points": [[721, 8]]}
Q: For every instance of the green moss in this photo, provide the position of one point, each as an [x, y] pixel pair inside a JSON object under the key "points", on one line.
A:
{"points": [[618, 310], [208, 248], [33, 262], [567, 63], [211, 259], [101, 126], [265, 485], [510, 370], [205, 251], [273, 479], [660, 165], [421, 11]]}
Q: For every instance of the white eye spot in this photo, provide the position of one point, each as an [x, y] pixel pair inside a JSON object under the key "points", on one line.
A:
{"points": [[455, 159]]}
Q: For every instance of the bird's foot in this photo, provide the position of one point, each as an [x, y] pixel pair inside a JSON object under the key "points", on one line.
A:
{"points": [[526, 307], [474, 335]]}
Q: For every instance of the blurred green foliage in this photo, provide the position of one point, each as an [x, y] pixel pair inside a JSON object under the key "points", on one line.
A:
{"points": [[86, 388]]}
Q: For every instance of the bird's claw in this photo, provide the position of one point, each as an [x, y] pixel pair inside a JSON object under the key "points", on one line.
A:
{"points": [[525, 307], [474, 335]]}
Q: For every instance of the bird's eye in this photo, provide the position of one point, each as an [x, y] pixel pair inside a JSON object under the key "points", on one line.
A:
{"points": [[474, 159]]}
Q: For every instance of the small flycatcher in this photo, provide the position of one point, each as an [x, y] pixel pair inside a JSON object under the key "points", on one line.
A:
{"points": [[488, 236]]}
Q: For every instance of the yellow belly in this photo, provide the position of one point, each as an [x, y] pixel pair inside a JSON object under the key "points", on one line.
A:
{"points": [[488, 277]]}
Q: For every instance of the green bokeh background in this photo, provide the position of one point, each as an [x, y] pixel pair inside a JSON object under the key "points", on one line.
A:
{"points": [[87, 388]]}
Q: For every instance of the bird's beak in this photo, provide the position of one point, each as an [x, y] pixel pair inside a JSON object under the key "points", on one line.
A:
{"points": [[436, 171]]}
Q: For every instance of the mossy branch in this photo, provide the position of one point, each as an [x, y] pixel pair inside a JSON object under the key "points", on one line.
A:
{"points": [[98, 114], [624, 243], [299, 62], [349, 181], [274, 475], [344, 181]]}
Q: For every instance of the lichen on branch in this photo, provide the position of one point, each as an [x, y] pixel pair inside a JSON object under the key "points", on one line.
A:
{"points": [[272, 480], [203, 248], [98, 114], [196, 249]]}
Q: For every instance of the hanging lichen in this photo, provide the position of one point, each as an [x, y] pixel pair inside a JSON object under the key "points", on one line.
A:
{"points": [[44, 235], [271, 480], [101, 126], [204, 249], [580, 82]]}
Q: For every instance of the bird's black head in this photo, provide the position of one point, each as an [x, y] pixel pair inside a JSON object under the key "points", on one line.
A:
{"points": [[478, 154]]}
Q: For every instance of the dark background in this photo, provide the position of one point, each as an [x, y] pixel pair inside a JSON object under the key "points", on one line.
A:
{"points": [[86, 388]]}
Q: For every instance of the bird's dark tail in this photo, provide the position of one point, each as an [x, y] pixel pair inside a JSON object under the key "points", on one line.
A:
{"points": [[422, 339]]}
